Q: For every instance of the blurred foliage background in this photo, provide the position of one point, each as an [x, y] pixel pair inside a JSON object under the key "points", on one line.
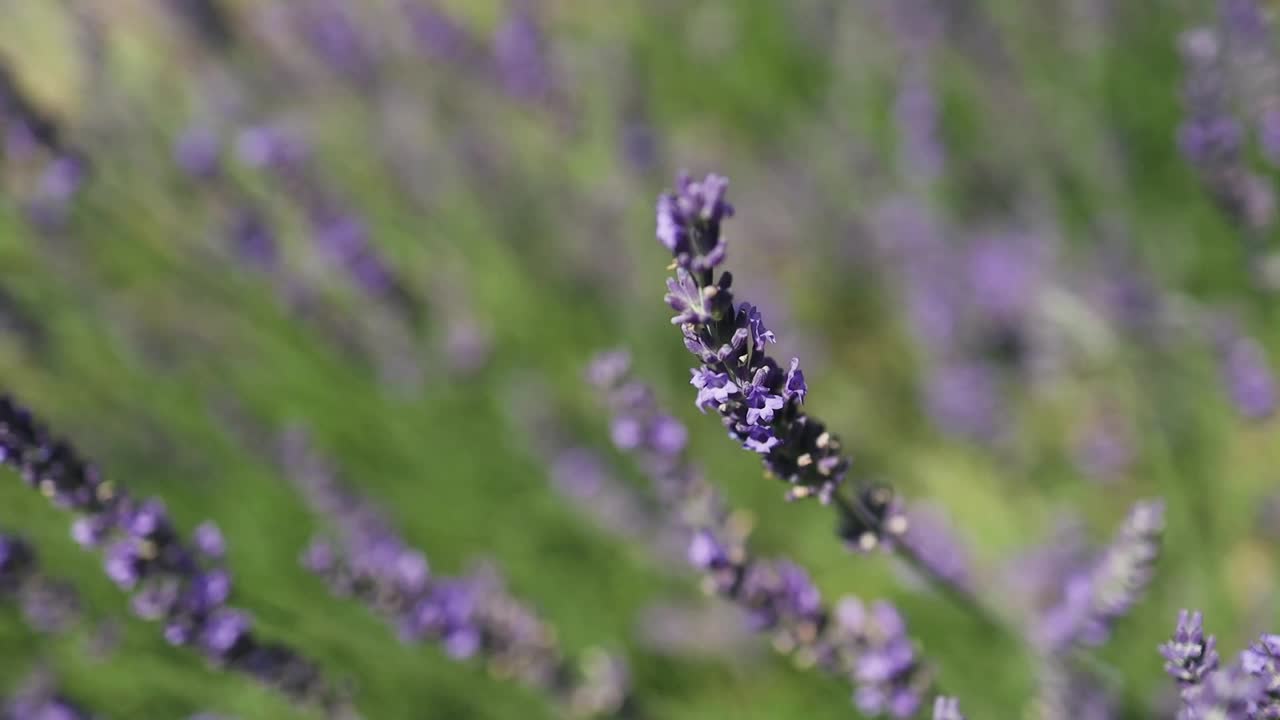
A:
{"points": [[514, 204]]}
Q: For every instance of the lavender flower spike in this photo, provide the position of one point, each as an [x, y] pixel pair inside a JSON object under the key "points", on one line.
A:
{"points": [[1096, 599], [469, 616], [946, 708], [1189, 655], [757, 398], [171, 579]]}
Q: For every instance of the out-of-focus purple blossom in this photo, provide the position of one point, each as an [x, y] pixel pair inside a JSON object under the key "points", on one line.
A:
{"points": [[1093, 599], [1249, 46], [1005, 273], [885, 665], [1228, 694], [1213, 139], [1262, 660], [946, 708], [922, 155], [339, 233], [584, 477], [1246, 372], [1104, 448], [56, 189], [468, 344], [520, 54], [145, 552], [963, 399], [329, 28], [437, 34], [704, 631], [1070, 692], [469, 616], [198, 151], [933, 541]]}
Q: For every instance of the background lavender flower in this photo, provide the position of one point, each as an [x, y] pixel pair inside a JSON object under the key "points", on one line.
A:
{"points": [[1246, 373], [1093, 600], [144, 554], [470, 615], [945, 708]]}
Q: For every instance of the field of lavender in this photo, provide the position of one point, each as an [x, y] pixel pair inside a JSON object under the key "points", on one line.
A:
{"points": [[339, 380]]}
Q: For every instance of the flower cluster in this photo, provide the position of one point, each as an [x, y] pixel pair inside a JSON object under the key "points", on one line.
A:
{"points": [[1189, 655], [868, 646], [29, 132], [1248, 689], [758, 399], [1095, 596], [1246, 372], [468, 616], [947, 708], [339, 233], [173, 581], [1214, 139]]}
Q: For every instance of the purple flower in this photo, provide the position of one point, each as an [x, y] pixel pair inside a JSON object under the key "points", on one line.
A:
{"points": [[705, 552], [760, 335], [143, 550], [689, 222], [795, 387], [1247, 374], [468, 616], [946, 708], [1189, 655], [437, 34], [1095, 599], [667, 435], [714, 388], [520, 55], [933, 541], [1262, 660], [198, 151], [963, 399], [224, 631], [761, 404], [1228, 694], [209, 541]]}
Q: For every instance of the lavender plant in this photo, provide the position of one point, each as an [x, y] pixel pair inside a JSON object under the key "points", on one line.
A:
{"points": [[175, 581], [469, 616], [1248, 689], [758, 400], [867, 644]]}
